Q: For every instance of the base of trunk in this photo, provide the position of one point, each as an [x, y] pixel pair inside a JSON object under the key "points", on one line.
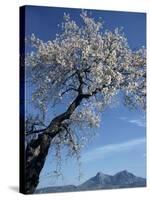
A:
{"points": [[36, 153]]}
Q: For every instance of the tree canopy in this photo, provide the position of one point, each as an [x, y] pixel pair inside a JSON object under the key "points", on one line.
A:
{"points": [[86, 60]]}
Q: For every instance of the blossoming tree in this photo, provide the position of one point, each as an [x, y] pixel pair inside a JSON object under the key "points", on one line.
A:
{"points": [[89, 66]]}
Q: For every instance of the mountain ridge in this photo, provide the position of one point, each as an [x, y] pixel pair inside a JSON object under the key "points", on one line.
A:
{"points": [[122, 179]]}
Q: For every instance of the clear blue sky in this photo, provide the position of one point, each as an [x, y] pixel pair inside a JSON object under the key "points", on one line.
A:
{"points": [[121, 142]]}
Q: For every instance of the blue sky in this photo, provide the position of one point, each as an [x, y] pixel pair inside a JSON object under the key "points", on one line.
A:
{"points": [[121, 140]]}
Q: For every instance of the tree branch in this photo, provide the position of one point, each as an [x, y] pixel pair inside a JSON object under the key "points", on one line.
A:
{"points": [[35, 131], [69, 89]]}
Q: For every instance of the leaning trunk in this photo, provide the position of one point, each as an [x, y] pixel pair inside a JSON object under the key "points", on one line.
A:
{"points": [[37, 149], [36, 153]]}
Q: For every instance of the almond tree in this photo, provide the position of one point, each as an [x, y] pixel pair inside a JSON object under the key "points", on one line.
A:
{"points": [[87, 65]]}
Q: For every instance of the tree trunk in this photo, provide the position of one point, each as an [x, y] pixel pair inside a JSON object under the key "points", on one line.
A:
{"points": [[37, 149], [36, 153]]}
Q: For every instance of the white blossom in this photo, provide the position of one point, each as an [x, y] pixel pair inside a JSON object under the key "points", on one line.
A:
{"points": [[102, 59]]}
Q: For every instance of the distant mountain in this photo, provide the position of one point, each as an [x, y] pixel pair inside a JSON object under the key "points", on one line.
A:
{"points": [[123, 179], [98, 181]]}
